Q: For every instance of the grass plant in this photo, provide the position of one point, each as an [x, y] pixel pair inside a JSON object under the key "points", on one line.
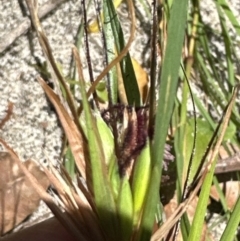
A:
{"points": [[117, 153]]}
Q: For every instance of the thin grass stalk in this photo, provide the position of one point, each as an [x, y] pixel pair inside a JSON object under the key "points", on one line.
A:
{"points": [[154, 65], [87, 50], [182, 164], [185, 224], [109, 41]]}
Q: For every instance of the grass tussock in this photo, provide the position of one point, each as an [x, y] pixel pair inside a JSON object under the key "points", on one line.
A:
{"points": [[120, 145]]}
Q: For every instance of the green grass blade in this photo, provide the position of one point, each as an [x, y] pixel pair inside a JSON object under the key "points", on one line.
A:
{"points": [[221, 194], [203, 111], [232, 225], [230, 15], [184, 163], [101, 188], [167, 92], [69, 163], [213, 83], [197, 224], [152, 200], [105, 133], [128, 74], [125, 210], [140, 182], [169, 76], [103, 196], [110, 52], [228, 45]]}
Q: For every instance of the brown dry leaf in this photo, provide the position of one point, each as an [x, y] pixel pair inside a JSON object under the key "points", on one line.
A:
{"points": [[231, 190], [74, 137], [18, 198], [172, 206], [142, 80]]}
